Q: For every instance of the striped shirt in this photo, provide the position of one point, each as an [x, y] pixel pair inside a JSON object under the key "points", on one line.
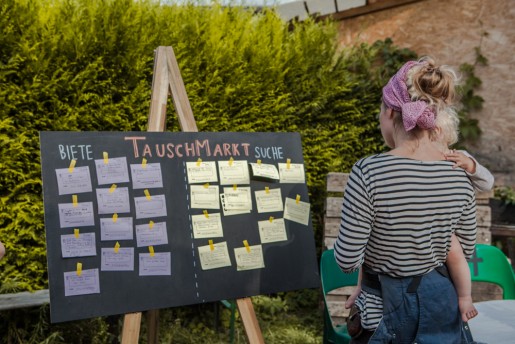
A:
{"points": [[398, 215]]}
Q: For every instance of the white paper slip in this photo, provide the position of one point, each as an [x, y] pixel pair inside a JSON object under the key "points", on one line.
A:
{"points": [[269, 201], [204, 198], [264, 171], [249, 259], [297, 212], [81, 245], [146, 176], [121, 229], [218, 257], [233, 172], [272, 231], [114, 200], [292, 174], [87, 283], [153, 207], [114, 171], [78, 181], [157, 265], [80, 215], [203, 172], [239, 199], [228, 212], [123, 260], [207, 227], [151, 235]]}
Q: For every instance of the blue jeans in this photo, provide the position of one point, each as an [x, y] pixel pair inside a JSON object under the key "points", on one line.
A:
{"points": [[428, 315]]}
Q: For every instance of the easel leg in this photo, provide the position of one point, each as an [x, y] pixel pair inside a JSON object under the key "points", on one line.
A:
{"points": [[248, 317], [153, 325], [131, 326]]}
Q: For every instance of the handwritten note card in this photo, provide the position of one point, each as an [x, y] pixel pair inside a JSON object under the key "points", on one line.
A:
{"points": [[269, 201], [207, 227], [239, 199], [87, 283], [147, 235], [159, 264], [153, 207], [294, 173], [112, 201], [218, 257], [81, 245], [249, 259], [115, 171], [78, 181], [146, 176], [264, 171], [298, 212], [123, 260], [80, 215], [205, 197], [228, 212], [233, 172], [204, 172], [121, 229], [272, 231]]}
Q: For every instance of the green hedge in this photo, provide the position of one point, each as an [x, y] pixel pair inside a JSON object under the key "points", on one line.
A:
{"points": [[86, 65]]}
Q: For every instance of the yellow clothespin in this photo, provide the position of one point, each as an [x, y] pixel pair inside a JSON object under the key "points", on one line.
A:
{"points": [[75, 200], [151, 224], [147, 194], [297, 199], [115, 217], [246, 243], [144, 163], [116, 247], [76, 232], [79, 269], [288, 163], [106, 158], [151, 250], [206, 185], [112, 188], [72, 165], [206, 214], [231, 160], [234, 187], [267, 189], [271, 219], [259, 162], [211, 246], [199, 161]]}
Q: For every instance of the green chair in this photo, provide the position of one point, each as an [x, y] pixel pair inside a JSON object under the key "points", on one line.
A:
{"points": [[333, 278], [489, 264]]}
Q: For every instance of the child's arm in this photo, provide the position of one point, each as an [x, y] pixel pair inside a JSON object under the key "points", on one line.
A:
{"points": [[481, 178], [352, 298], [460, 275]]}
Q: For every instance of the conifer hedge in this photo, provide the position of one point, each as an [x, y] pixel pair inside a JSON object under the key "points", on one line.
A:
{"points": [[86, 65]]}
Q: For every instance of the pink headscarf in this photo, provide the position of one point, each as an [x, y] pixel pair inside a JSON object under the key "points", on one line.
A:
{"points": [[397, 98]]}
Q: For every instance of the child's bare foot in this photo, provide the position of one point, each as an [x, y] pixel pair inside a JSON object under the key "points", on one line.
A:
{"points": [[467, 309], [352, 298]]}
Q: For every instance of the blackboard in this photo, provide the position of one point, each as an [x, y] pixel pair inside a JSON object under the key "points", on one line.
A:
{"points": [[289, 264]]}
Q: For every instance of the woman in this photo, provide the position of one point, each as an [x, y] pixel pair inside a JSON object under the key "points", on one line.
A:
{"points": [[399, 212]]}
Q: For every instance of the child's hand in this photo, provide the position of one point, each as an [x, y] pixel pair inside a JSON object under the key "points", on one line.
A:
{"points": [[461, 160]]}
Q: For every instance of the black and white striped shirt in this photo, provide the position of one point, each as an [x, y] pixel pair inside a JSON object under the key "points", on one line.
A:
{"points": [[398, 216]]}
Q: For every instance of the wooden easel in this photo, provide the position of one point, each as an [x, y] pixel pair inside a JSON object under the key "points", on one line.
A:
{"points": [[167, 79]]}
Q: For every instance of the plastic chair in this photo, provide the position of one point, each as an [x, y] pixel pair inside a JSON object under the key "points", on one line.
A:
{"points": [[489, 264], [333, 278]]}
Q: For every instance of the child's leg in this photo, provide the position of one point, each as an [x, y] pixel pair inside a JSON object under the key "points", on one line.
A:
{"points": [[350, 300], [460, 275]]}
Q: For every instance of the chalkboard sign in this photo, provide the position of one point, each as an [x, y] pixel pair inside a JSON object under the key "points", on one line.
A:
{"points": [[138, 221]]}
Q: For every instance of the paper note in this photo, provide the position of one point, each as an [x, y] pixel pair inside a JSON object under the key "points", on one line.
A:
{"points": [[298, 212], [87, 283], [146, 236], [235, 172], [239, 199], [113, 201], [78, 216], [115, 171], [294, 174], [264, 171], [122, 229], [204, 198], [123, 260], [159, 264], [228, 212], [269, 201], [72, 183], [148, 177], [207, 227], [246, 260], [155, 207], [81, 246], [213, 259], [272, 231], [203, 172]]}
